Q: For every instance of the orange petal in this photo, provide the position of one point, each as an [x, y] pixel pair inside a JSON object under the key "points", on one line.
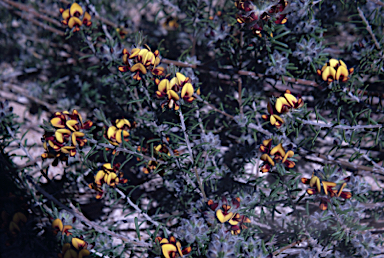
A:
{"points": [[345, 195], [323, 205], [66, 229]]}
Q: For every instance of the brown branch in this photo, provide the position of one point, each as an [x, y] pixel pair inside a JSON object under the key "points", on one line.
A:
{"points": [[377, 2], [30, 9], [82, 218], [289, 246], [213, 107], [369, 29], [21, 91], [240, 97], [40, 24]]}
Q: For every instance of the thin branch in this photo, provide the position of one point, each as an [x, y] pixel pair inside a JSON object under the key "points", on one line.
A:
{"points": [[345, 127], [31, 10], [240, 96], [366, 157], [23, 92], [110, 146], [289, 246], [191, 154], [40, 24], [369, 28], [82, 218], [139, 210], [213, 107], [377, 2]]}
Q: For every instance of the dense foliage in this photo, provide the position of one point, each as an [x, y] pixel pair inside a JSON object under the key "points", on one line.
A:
{"points": [[201, 128]]}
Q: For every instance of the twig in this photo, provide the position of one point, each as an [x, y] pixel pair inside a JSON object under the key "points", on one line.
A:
{"points": [[43, 25], [369, 28], [345, 127], [31, 10], [110, 146], [377, 2], [289, 246], [23, 92], [191, 153], [139, 210], [239, 81], [213, 107], [366, 157]]}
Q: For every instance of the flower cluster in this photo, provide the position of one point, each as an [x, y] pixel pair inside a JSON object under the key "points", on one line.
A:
{"points": [[58, 226], [14, 225], [319, 186], [158, 151], [65, 136], [335, 70], [224, 215], [278, 152], [140, 60], [78, 249], [172, 248], [256, 13], [179, 86], [282, 105], [119, 131], [75, 16], [107, 175]]}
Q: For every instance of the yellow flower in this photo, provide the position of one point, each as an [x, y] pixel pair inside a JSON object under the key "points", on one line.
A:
{"points": [[335, 70], [66, 136], [278, 153], [72, 17], [143, 60], [319, 186], [172, 248]]}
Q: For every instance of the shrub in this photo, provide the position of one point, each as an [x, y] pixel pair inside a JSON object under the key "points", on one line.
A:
{"points": [[192, 128]]}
